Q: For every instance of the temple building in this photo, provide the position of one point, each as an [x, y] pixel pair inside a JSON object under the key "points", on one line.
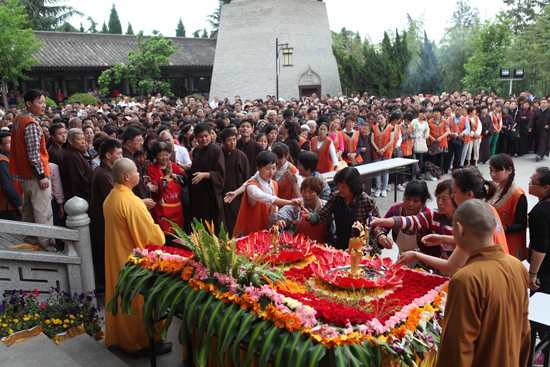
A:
{"points": [[74, 62]]}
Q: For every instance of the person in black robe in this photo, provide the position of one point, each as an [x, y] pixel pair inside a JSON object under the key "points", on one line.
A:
{"points": [[207, 174], [76, 175], [487, 129], [132, 141], [236, 173], [103, 182], [250, 147], [366, 153], [58, 135]]}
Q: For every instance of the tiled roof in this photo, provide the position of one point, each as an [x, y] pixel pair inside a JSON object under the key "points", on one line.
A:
{"points": [[86, 50]]}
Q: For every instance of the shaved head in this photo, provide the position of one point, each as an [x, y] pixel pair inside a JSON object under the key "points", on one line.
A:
{"points": [[122, 167], [476, 216]]}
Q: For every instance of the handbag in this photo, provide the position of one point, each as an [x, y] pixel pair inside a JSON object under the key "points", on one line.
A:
{"points": [[397, 153], [514, 134], [420, 145], [342, 164], [457, 141]]}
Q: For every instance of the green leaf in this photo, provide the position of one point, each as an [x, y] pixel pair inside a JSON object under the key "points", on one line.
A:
{"points": [[279, 350], [294, 345], [166, 299], [202, 319], [303, 350], [420, 349], [150, 297], [190, 311], [339, 357], [317, 353], [255, 338], [203, 351], [223, 342], [268, 345], [354, 361], [360, 353], [142, 284], [173, 309]]}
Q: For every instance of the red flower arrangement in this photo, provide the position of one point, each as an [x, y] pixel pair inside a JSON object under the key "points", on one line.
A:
{"points": [[170, 250], [260, 243]]}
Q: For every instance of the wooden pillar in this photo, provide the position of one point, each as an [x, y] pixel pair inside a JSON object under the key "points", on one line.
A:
{"points": [[41, 79], [85, 83]]}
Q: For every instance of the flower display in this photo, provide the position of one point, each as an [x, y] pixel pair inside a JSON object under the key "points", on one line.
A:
{"points": [[20, 310], [398, 312]]}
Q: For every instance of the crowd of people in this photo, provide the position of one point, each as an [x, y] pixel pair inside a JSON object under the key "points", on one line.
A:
{"points": [[246, 165]]}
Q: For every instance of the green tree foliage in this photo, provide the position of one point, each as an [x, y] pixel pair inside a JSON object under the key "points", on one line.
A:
{"points": [[428, 77], [93, 26], [180, 29], [82, 30], [143, 69], [214, 18], [16, 47], [482, 69], [364, 67], [522, 13], [530, 50], [456, 46], [67, 27], [83, 98], [197, 33], [42, 17], [115, 27], [104, 28], [204, 33], [130, 30]]}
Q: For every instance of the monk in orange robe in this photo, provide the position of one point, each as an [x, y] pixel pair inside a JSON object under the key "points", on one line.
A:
{"points": [[128, 224]]}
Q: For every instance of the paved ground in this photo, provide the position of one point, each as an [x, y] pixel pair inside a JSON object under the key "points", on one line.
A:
{"points": [[525, 167]]}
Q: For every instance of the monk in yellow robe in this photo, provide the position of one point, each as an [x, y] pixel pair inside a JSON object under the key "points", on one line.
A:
{"points": [[128, 224], [485, 321]]}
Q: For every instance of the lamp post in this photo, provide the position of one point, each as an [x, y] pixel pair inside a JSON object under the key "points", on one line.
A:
{"points": [[505, 76], [287, 59]]}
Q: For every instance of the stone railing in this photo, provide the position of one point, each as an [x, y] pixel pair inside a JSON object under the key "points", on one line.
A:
{"points": [[70, 271]]}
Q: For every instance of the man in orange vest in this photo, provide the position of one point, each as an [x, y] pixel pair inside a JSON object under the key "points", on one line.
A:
{"points": [[10, 190], [29, 165]]}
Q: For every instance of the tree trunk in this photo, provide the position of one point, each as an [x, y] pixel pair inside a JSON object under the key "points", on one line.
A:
{"points": [[5, 94]]}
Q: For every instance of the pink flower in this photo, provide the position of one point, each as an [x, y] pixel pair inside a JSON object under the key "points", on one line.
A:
{"points": [[42, 305], [307, 318]]}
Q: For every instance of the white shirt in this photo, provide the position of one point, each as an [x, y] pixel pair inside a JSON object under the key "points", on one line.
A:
{"points": [[331, 151], [280, 172], [213, 105], [256, 194], [478, 127], [182, 155]]}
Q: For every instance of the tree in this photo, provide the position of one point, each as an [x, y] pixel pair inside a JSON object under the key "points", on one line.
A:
{"points": [[82, 30], [197, 33], [428, 78], [456, 46], [204, 33], [522, 13], [214, 18], [67, 27], [143, 68], [115, 27], [180, 29], [93, 25], [104, 28], [43, 17], [16, 47], [414, 41], [130, 30], [490, 44]]}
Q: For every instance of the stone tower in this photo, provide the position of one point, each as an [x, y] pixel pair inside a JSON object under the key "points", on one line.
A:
{"points": [[245, 64]]}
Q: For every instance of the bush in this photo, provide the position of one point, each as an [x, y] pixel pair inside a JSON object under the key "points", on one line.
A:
{"points": [[49, 102], [197, 97], [84, 98]]}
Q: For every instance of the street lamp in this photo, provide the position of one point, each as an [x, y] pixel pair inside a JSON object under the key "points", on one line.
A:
{"points": [[287, 59], [506, 75]]}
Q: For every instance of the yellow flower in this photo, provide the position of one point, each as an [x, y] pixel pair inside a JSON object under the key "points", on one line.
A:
{"points": [[10, 331], [71, 317], [66, 321], [15, 321], [47, 322], [36, 315], [4, 325], [64, 325], [72, 321], [81, 316]]}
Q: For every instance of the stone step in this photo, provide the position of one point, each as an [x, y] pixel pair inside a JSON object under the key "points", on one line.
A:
{"points": [[41, 351], [88, 352], [7, 357]]}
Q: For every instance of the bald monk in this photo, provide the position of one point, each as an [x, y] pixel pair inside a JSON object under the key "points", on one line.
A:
{"points": [[485, 320], [128, 225]]}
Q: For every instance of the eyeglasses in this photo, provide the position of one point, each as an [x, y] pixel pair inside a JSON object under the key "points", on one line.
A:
{"points": [[534, 183], [139, 140]]}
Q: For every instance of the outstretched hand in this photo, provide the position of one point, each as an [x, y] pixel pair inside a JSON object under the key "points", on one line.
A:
{"points": [[229, 196]]}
